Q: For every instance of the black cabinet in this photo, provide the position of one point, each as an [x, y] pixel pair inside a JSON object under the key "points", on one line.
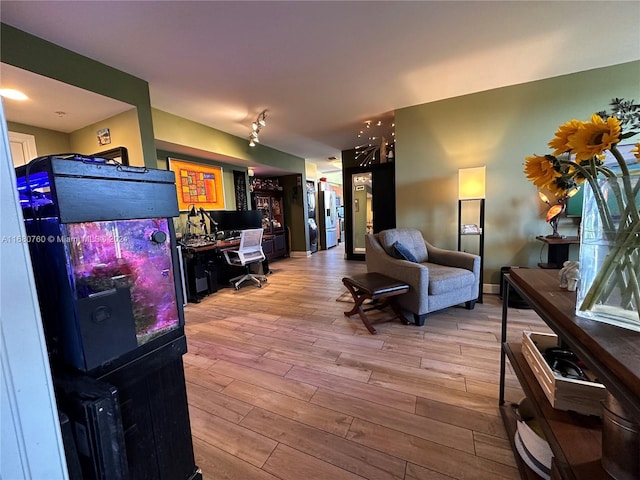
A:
{"points": [[270, 203], [473, 209], [369, 204]]}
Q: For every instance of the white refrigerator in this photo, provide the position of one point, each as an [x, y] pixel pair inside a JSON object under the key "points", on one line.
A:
{"points": [[328, 215]]}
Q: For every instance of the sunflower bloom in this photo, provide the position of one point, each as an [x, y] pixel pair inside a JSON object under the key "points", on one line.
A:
{"points": [[593, 138], [560, 142], [539, 169]]}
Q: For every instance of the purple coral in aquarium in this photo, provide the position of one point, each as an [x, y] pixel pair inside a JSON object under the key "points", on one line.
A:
{"points": [[122, 254]]}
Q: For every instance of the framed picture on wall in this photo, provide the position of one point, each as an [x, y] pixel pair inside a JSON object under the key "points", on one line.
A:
{"points": [[198, 184]]}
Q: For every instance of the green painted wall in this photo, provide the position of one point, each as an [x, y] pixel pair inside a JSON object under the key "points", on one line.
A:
{"points": [[497, 128], [48, 141], [36, 55], [180, 131]]}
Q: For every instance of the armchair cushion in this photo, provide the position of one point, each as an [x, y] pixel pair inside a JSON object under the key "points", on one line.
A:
{"points": [[408, 237], [445, 279], [400, 251]]}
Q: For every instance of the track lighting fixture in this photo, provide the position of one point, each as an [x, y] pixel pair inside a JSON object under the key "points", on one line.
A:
{"points": [[260, 122]]}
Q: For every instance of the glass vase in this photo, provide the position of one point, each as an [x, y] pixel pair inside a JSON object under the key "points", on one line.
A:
{"points": [[609, 287]]}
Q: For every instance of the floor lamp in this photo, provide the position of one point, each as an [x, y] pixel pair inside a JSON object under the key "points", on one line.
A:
{"points": [[471, 190]]}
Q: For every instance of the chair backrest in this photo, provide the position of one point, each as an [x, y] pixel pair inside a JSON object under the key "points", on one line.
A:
{"points": [[410, 238], [250, 240]]}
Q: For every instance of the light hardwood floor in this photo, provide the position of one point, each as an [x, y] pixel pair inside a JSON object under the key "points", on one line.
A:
{"points": [[282, 385]]}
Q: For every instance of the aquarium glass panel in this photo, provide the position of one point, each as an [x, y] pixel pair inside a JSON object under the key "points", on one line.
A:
{"points": [[133, 254]]}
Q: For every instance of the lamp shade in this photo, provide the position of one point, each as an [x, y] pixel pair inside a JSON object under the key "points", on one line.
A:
{"points": [[471, 183]]}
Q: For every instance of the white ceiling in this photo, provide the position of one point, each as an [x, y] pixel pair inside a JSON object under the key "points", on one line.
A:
{"points": [[323, 68], [54, 105]]}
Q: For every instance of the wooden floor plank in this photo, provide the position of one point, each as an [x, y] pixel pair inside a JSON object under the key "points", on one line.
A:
{"points": [[402, 358], [282, 385], [311, 414], [292, 358], [471, 419], [379, 395], [226, 466], [248, 359], [206, 378], [493, 448], [239, 441], [416, 472], [216, 403], [290, 464], [428, 454], [269, 381], [418, 426], [351, 456]]}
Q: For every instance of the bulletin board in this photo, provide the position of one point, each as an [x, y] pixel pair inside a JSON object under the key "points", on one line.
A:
{"points": [[198, 184]]}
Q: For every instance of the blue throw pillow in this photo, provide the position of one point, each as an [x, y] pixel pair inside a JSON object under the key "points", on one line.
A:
{"points": [[403, 252]]}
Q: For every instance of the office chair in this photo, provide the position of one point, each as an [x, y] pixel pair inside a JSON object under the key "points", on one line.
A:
{"points": [[249, 253]]}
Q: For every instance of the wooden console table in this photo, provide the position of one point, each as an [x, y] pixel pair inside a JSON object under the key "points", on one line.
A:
{"points": [[612, 353]]}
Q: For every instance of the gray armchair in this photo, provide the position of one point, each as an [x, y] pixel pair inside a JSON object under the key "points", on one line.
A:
{"points": [[438, 278]]}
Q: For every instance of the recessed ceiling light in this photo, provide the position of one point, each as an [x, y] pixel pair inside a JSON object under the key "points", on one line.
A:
{"points": [[12, 94]]}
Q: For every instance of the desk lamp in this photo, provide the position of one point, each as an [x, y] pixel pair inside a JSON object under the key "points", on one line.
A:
{"points": [[192, 213]]}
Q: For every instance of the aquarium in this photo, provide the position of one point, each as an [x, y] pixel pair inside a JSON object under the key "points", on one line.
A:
{"points": [[126, 254], [102, 246]]}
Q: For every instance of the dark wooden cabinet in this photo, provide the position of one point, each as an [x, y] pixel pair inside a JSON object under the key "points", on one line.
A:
{"points": [[270, 203], [610, 352]]}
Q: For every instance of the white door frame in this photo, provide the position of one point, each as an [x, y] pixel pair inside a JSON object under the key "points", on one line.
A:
{"points": [[27, 143]]}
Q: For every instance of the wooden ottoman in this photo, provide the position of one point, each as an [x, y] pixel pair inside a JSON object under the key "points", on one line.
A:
{"points": [[374, 286]]}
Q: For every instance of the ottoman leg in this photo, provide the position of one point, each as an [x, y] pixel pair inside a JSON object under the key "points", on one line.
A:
{"points": [[359, 298]]}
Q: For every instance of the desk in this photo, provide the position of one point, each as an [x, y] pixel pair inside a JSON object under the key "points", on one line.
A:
{"points": [[205, 267], [610, 352], [558, 250]]}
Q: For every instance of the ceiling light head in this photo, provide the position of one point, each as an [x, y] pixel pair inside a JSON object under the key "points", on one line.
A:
{"points": [[262, 118], [12, 94], [256, 126]]}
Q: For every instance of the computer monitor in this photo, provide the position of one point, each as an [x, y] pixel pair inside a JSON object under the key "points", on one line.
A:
{"points": [[236, 220]]}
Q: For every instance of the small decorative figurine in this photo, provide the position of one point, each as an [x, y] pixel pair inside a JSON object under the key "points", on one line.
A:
{"points": [[569, 275]]}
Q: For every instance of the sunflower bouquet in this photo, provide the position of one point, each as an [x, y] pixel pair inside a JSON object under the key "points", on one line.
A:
{"points": [[578, 157]]}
